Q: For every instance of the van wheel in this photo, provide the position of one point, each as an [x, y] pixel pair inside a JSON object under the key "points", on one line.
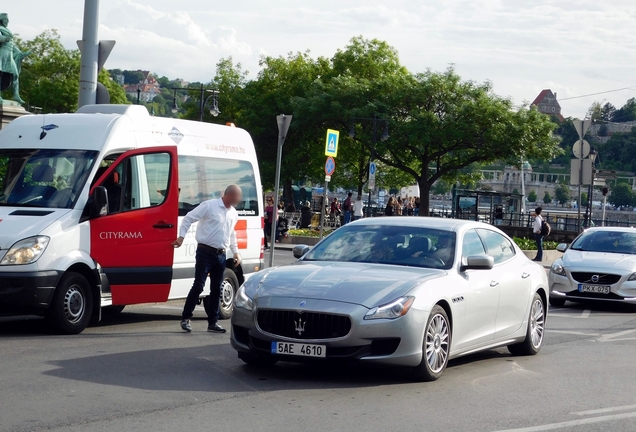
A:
{"points": [[229, 287], [72, 305]]}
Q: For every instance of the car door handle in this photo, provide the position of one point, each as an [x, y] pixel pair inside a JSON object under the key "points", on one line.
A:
{"points": [[162, 225], [525, 275], [494, 283]]}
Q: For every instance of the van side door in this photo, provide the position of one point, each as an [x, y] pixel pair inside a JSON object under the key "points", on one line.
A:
{"points": [[132, 241]]}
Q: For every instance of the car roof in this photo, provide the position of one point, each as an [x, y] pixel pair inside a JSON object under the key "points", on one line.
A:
{"points": [[423, 222], [612, 229]]}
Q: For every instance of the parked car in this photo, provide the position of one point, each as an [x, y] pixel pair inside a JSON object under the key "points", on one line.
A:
{"points": [[397, 291], [599, 265]]}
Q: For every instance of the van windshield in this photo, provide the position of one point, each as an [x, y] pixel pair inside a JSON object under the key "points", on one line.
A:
{"points": [[43, 178]]}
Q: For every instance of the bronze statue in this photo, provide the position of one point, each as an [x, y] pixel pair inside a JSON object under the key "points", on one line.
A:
{"points": [[10, 60]]}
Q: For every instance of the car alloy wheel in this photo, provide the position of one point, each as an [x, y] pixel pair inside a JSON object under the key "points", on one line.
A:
{"points": [[537, 323], [437, 343]]}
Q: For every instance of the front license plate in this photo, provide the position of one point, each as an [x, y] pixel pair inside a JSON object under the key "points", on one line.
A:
{"points": [[596, 289], [298, 349]]}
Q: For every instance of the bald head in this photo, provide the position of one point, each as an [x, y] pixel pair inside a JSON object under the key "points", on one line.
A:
{"points": [[232, 195]]}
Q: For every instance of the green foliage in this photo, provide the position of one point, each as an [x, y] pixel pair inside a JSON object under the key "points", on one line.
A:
{"points": [[547, 198], [532, 197], [308, 233], [441, 187], [50, 75], [625, 113], [530, 244], [584, 199], [622, 195], [562, 193]]}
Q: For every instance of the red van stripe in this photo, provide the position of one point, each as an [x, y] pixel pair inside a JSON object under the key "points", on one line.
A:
{"points": [[241, 233]]}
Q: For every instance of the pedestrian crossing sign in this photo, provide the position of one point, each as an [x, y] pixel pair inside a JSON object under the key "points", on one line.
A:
{"points": [[331, 145]]}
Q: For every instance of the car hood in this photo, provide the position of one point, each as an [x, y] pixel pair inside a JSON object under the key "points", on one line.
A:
{"points": [[599, 260], [17, 223], [369, 285]]}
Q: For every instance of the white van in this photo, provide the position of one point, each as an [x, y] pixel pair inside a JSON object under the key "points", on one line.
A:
{"points": [[90, 203]]}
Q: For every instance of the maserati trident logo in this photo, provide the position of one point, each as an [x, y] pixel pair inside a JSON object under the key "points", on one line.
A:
{"points": [[299, 325], [595, 278]]}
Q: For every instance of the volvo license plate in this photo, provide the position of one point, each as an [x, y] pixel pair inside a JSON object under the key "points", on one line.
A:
{"points": [[595, 289], [299, 349]]}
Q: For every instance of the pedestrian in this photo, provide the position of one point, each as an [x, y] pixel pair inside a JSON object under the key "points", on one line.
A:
{"points": [[416, 207], [269, 218], [536, 229], [390, 207], [215, 235], [499, 215], [409, 206], [347, 207], [398, 207], [282, 227], [358, 208]]}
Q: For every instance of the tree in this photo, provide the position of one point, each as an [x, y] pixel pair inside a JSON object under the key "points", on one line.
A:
{"points": [[562, 193], [547, 199], [625, 113], [441, 187], [622, 196], [443, 124], [50, 75], [133, 77], [532, 197], [584, 198]]}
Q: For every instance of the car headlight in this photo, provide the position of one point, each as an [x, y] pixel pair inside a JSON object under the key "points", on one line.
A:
{"points": [[632, 277], [26, 251], [393, 310], [557, 268], [242, 300]]}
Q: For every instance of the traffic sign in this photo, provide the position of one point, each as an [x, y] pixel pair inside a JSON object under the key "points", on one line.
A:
{"points": [[576, 149], [330, 166], [582, 126], [327, 178], [331, 144], [372, 170]]}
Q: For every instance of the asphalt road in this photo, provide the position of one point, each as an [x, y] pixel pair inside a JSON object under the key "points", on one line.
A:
{"points": [[138, 371]]}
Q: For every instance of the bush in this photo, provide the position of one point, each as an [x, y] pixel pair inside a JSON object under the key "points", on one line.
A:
{"points": [[308, 233], [529, 244]]}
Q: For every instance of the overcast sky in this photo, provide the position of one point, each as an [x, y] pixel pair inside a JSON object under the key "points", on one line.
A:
{"points": [[574, 47]]}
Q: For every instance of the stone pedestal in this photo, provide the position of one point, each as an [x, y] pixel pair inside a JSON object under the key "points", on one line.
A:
{"points": [[9, 111]]}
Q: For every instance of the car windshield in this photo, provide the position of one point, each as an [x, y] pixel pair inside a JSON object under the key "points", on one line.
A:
{"points": [[397, 245], [43, 178], [619, 242]]}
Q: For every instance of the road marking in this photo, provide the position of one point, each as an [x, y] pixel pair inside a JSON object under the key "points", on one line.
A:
{"points": [[613, 337], [585, 314], [578, 333], [605, 410], [571, 423]]}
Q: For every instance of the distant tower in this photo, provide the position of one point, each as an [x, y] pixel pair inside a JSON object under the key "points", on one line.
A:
{"points": [[547, 103]]}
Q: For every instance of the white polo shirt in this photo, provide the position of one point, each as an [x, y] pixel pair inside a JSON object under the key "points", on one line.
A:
{"points": [[216, 225], [536, 226]]}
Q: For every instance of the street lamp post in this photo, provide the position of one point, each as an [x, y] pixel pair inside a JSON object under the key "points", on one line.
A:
{"points": [[214, 95], [138, 95], [588, 212], [374, 137]]}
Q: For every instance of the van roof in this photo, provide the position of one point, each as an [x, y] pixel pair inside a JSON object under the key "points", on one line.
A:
{"points": [[114, 127]]}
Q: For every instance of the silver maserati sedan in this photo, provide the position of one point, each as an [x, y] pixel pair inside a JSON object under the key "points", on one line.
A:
{"points": [[599, 265], [412, 292]]}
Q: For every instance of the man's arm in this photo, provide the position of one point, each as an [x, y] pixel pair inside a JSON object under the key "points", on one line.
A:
{"points": [[234, 246], [192, 217]]}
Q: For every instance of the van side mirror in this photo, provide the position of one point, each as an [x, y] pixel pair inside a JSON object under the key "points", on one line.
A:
{"points": [[477, 262], [562, 247], [300, 250], [99, 202]]}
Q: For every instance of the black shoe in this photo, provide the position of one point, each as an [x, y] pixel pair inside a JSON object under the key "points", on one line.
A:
{"points": [[537, 260], [216, 328]]}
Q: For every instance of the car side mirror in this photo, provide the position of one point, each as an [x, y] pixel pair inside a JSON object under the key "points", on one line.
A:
{"points": [[478, 262], [300, 250], [562, 247], [99, 202]]}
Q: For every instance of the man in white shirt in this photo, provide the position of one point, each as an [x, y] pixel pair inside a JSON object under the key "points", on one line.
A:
{"points": [[215, 235], [536, 229]]}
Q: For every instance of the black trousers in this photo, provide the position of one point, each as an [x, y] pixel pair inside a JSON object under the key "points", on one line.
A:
{"points": [[207, 262]]}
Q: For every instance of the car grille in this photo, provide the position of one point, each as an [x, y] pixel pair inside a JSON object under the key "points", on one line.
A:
{"points": [[603, 279], [306, 325]]}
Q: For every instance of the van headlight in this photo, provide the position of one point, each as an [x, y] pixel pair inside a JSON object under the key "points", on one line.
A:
{"points": [[26, 251], [392, 310], [242, 300]]}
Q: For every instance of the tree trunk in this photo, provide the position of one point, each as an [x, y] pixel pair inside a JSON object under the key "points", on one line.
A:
{"points": [[425, 193]]}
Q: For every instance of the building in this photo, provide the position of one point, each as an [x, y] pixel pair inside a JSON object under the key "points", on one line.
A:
{"points": [[148, 88], [547, 103]]}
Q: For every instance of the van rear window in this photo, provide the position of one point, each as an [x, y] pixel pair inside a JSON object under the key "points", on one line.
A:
{"points": [[201, 179]]}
